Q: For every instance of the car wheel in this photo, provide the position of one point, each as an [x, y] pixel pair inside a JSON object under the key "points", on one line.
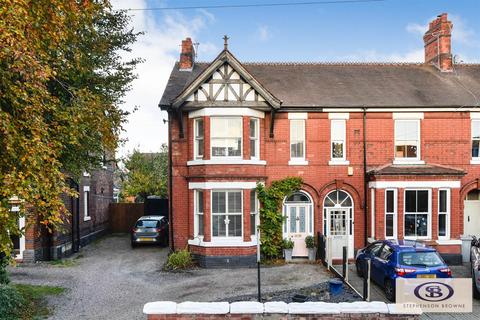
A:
{"points": [[476, 293], [389, 290], [359, 269]]}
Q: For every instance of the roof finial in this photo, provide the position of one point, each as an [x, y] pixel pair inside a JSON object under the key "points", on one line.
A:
{"points": [[225, 42]]}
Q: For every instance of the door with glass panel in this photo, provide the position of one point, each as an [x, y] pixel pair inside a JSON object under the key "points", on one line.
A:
{"points": [[338, 223], [298, 212]]}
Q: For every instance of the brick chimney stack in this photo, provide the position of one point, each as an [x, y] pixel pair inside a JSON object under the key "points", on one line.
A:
{"points": [[187, 56], [438, 48]]}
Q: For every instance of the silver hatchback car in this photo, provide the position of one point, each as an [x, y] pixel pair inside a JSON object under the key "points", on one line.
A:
{"points": [[150, 230], [475, 260]]}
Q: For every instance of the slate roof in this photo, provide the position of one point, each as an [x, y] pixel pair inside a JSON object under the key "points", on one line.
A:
{"points": [[411, 170], [346, 85]]}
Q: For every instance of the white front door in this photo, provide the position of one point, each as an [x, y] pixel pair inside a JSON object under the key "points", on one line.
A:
{"points": [[340, 231], [297, 226], [471, 218]]}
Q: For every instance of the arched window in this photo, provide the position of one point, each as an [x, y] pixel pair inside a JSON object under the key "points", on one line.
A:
{"points": [[338, 199], [298, 197]]}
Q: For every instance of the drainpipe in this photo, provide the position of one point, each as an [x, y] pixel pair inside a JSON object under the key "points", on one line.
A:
{"points": [[170, 182], [365, 179]]}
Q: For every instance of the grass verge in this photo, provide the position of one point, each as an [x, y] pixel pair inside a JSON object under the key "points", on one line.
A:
{"points": [[35, 306]]}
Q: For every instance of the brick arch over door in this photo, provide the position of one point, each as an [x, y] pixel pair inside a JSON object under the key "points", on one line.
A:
{"points": [[313, 193], [466, 188], [357, 209]]}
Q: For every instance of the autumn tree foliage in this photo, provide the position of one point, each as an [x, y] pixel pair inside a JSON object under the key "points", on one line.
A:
{"points": [[62, 80]]}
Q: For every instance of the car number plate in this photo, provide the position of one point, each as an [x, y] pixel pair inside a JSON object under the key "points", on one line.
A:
{"points": [[146, 239], [426, 276]]}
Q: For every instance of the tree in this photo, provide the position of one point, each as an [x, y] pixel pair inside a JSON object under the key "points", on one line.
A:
{"points": [[146, 174], [62, 80]]}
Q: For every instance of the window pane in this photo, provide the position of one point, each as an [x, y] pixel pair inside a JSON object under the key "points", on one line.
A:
{"points": [[443, 201], [218, 202], [218, 226], [338, 130], [253, 226], [442, 225], [253, 128], [297, 150], [302, 217], [235, 225], [390, 201], [199, 201], [199, 147], [475, 129], [200, 224], [389, 225], [199, 128], [422, 224], [297, 131], [253, 201], [293, 220], [475, 148], [410, 225], [422, 201], [234, 147], [410, 201], [235, 202], [406, 130], [337, 149], [253, 148]]}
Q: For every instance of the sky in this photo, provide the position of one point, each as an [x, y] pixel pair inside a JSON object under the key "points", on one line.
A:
{"points": [[383, 31]]}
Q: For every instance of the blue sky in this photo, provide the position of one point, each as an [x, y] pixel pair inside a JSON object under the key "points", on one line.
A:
{"points": [[391, 30]]}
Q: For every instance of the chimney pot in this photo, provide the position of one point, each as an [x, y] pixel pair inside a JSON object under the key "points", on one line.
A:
{"points": [[187, 56], [437, 39]]}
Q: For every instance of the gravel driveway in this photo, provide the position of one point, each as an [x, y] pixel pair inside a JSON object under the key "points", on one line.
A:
{"points": [[112, 281]]}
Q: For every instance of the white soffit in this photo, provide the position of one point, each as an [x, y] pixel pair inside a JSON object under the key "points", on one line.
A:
{"points": [[338, 115], [297, 115], [413, 184], [227, 111]]}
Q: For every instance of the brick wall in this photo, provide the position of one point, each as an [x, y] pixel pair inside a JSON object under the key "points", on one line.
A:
{"points": [[445, 140]]}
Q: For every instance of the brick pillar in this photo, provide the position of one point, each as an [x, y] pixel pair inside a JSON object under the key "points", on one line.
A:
{"points": [[434, 214], [456, 213], [246, 138], [246, 216], [206, 138], [207, 235], [400, 213]]}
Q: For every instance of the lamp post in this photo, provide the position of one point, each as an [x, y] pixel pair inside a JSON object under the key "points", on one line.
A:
{"points": [[258, 265]]}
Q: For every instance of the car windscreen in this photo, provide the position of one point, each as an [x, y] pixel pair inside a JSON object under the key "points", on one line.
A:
{"points": [[421, 259], [147, 224]]}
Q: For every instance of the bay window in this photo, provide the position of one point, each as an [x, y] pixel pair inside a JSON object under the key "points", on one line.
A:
{"points": [[297, 139], [254, 139], [390, 213], [226, 137], [417, 213], [199, 138], [198, 209], [338, 140], [475, 139], [444, 213], [407, 139], [227, 211]]}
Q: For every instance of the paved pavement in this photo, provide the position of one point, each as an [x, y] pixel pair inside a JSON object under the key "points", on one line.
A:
{"points": [[112, 281], [377, 294]]}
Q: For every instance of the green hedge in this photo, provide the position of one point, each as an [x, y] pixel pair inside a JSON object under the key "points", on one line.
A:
{"points": [[11, 302]]}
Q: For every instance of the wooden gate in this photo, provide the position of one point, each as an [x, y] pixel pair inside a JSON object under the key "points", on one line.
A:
{"points": [[124, 215]]}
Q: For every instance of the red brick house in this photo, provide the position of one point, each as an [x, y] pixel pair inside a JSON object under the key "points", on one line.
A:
{"points": [[89, 219], [385, 150]]}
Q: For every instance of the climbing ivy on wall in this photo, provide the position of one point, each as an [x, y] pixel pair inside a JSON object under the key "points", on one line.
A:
{"points": [[271, 218]]}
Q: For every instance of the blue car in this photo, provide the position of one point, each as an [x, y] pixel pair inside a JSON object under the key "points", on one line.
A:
{"points": [[391, 259]]}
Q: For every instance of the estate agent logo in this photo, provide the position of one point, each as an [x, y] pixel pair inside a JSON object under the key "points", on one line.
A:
{"points": [[434, 295]]}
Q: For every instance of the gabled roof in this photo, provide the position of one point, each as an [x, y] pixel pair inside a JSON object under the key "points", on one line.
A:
{"points": [[203, 75], [344, 85]]}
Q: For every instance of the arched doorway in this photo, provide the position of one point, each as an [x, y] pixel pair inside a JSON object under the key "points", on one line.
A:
{"points": [[338, 222], [471, 214], [298, 223]]}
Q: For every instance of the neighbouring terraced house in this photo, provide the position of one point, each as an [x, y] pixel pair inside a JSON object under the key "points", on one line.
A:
{"points": [[385, 150]]}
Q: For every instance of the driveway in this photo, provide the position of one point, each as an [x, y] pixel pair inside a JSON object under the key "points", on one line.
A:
{"points": [[109, 280]]}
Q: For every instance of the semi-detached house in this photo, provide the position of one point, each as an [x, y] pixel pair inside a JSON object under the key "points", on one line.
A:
{"points": [[385, 150]]}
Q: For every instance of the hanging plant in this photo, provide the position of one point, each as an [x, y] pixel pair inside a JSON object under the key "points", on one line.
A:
{"points": [[271, 218]]}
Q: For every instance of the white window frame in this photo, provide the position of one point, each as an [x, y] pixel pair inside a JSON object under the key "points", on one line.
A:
{"points": [[474, 160], [297, 160], [394, 213], [343, 140], [226, 237], [255, 211], [197, 213], [446, 213], [256, 138], [407, 159], [212, 138], [429, 213], [196, 155], [86, 200]]}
